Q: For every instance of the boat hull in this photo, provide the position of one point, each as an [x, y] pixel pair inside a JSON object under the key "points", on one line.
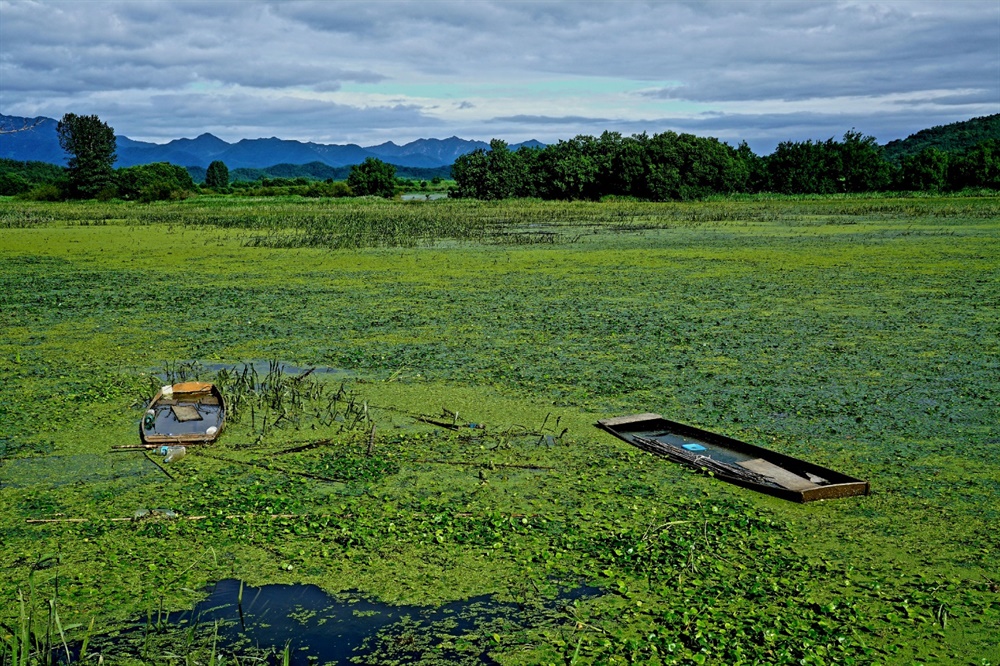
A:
{"points": [[734, 461], [190, 413]]}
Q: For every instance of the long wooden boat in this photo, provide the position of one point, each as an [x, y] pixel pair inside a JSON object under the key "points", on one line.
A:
{"points": [[734, 461], [186, 413]]}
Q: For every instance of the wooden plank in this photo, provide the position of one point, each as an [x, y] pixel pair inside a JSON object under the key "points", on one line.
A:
{"points": [[782, 476], [626, 420], [192, 387], [186, 413]]}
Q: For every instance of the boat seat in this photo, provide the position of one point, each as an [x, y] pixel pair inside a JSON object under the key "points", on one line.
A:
{"points": [[186, 413], [780, 475]]}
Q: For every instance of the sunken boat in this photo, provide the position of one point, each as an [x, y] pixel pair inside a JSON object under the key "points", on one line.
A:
{"points": [[184, 414], [734, 461]]}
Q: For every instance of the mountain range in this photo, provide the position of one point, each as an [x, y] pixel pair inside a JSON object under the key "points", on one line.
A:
{"points": [[39, 142]]}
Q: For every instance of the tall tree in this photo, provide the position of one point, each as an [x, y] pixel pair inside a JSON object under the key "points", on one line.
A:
{"points": [[91, 144], [217, 175], [863, 168], [471, 173], [373, 176]]}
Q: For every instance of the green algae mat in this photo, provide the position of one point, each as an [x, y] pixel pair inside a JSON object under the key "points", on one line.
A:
{"points": [[442, 447]]}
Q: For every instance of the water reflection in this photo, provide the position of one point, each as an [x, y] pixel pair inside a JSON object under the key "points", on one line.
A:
{"points": [[321, 628]]}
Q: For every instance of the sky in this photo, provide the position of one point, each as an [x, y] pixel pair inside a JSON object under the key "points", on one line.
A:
{"points": [[375, 71]]}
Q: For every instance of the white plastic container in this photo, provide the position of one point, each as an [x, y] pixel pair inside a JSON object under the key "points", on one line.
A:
{"points": [[172, 453], [167, 391]]}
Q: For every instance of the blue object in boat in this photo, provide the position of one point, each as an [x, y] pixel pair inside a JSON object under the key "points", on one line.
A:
{"points": [[694, 447]]}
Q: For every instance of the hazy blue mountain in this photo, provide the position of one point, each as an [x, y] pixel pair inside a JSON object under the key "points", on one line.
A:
{"points": [[40, 143], [426, 152], [316, 171]]}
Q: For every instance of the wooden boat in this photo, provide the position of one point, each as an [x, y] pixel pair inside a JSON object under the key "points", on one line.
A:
{"points": [[186, 413], [734, 461]]}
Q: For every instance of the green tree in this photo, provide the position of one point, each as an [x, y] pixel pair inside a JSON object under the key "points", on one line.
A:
{"points": [[754, 166], [470, 172], [572, 169], [862, 167], [373, 177], [804, 167], [925, 171], [91, 144], [217, 175], [496, 173], [154, 182], [13, 183], [978, 166]]}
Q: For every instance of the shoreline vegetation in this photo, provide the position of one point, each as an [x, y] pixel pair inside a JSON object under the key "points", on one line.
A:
{"points": [[443, 448], [668, 166]]}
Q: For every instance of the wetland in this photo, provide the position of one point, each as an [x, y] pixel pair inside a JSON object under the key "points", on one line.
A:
{"points": [[443, 453]]}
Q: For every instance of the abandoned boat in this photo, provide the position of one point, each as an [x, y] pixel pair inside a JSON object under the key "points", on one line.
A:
{"points": [[186, 413], [734, 461]]}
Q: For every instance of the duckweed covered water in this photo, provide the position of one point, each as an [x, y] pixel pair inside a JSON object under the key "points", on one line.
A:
{"points": [[858, 333], [54, 471]]}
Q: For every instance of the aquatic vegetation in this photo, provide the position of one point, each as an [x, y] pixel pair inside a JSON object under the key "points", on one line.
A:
{"points": [[858, 333]]}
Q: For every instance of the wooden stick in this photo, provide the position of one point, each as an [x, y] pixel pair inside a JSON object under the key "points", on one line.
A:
{"points": [[458, 462], [162, 468], [304, 447], [236, 516], [451, 426], [304, 375], [273, 468], [228, 517]]}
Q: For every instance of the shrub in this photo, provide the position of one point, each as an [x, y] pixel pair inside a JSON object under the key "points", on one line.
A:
{"points": [[47, 192], [154, 182]]}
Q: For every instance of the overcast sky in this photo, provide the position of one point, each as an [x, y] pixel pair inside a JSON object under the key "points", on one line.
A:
{"points": [[368, 72]]}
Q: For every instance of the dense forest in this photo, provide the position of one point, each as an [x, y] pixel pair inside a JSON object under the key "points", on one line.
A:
{"points": [[671, 166], [19, 177], [952, 138], [662, 167]]}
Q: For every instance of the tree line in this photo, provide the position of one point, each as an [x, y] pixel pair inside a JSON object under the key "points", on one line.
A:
{"points": [[671, 166], [662, 167]]}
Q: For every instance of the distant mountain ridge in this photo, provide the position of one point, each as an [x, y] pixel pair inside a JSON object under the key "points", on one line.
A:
{"points": [[41, 143], [316, 171]]}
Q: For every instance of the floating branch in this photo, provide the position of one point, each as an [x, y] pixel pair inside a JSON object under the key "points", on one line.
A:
{"points": [[479, 464]]}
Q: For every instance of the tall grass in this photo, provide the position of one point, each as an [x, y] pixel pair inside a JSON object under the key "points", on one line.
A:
{"points": [[291, 222], [37, 636]]}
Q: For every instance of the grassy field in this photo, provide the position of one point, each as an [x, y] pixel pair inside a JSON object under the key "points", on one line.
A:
{"points": [[859, 333]]}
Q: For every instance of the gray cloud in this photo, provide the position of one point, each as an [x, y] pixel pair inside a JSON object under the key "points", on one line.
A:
{"points": [[281, 116], [159, 69], [549, 120]]}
